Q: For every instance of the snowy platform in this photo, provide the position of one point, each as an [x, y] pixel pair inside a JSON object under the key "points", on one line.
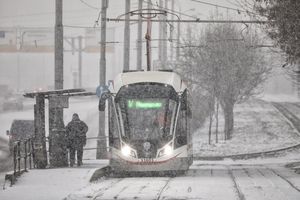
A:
{"points": [[48, 184]]}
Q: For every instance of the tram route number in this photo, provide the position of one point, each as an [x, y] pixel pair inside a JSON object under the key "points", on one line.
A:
{"points": [[146, 161]]}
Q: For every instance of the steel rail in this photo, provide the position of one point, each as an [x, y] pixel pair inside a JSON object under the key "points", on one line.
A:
{"points": [[241, 196], [285, 179]]}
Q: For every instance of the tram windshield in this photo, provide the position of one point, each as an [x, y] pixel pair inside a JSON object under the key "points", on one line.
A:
{"points": [[149, 115]]}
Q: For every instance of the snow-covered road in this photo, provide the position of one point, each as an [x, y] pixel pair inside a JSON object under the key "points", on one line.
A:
{"points": [[202, 181]]}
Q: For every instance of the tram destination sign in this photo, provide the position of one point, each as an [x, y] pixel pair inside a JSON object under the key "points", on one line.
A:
{"points": [[139, 104]]}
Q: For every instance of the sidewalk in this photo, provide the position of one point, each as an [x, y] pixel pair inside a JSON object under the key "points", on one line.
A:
{"points": [[46, 184]]}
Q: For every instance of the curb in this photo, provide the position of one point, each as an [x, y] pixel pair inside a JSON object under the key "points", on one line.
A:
{"points": [[99, 173]]}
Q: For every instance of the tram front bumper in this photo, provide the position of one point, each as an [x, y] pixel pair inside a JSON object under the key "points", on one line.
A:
{"points": [[173, 164]]}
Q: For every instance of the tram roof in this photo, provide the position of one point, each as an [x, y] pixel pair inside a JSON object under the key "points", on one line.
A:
{"points": [[169, 78]]}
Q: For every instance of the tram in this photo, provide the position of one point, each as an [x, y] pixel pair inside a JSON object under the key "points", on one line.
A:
{"points": [[149, 122]]}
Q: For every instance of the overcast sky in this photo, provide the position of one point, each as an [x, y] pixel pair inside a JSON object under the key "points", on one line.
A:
{"points": [[41, 12]]}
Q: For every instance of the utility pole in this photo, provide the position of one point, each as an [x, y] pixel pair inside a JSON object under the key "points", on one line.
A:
{"points": [[80, 61], [58, 152], [171, 33], [101, 144], [59, 47], [127, 36], [139, 40], [160, 36], [178, 38], [148, 37], [164, 39]]}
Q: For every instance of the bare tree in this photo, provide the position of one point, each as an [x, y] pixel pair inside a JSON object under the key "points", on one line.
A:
{"points": [[223, 62]]}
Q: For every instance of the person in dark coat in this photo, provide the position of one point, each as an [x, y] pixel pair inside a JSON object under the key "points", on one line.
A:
{"points": [[76, 136]]}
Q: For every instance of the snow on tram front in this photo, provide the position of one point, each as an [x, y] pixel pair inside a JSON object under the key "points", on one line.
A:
{"points": [[149, 122]]}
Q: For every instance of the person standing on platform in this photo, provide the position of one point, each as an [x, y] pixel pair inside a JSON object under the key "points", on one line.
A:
{"points": [[76, 138]]}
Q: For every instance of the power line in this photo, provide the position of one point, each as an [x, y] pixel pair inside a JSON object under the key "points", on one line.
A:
{"points": [[196, 21], [74, 26], [225, 7], [38, 14], [88, 5], [177, 12]]}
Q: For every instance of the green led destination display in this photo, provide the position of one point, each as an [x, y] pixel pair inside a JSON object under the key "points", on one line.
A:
{"points": [[137, 104]]}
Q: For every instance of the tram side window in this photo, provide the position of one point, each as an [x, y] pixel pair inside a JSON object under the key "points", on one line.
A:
{"points": [[113, 129]]}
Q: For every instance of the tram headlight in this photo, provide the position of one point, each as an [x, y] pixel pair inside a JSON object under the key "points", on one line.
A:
{"points": [[166, 151], [127, 151]]}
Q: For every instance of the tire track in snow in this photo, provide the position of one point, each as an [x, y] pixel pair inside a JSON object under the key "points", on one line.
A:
{"points": [[163, 189]]}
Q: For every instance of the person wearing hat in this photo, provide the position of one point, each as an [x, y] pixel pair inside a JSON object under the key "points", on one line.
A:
{"points": [[76, 136]]}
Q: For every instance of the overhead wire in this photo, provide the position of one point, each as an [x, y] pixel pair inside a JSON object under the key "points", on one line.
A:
{"points": [[174, 11], [88, 5], [225, 7], [40, 13]]}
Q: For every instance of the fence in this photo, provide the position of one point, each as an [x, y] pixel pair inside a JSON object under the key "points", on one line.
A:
{"points": [[23, 155]]}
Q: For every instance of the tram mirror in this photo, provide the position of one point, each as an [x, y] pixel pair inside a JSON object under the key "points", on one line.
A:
{"points": [[101, 105], [104, 96]]}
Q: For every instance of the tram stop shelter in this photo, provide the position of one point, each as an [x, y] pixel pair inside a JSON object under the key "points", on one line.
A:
{"points": [[58, 100]]}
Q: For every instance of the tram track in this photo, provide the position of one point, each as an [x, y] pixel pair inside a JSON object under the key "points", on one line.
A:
{"points": [[285, 179], [240, 195], [103, 190], [295, 121]]}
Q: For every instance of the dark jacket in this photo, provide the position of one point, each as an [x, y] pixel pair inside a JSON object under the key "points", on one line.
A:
{"points": [[76, 133]]}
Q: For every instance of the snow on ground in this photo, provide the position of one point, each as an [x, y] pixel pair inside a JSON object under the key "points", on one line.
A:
{"points": [[258, 126], [215, 180], [205, 180], [280, 98], [48, 184], [293, 107]]}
